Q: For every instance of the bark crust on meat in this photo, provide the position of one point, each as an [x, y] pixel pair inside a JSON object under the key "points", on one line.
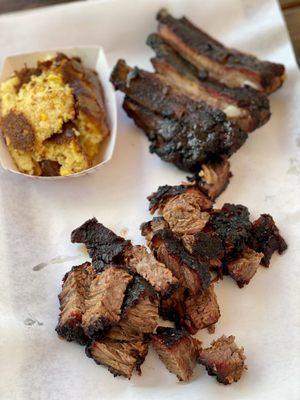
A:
{"points": [[177, 350]]}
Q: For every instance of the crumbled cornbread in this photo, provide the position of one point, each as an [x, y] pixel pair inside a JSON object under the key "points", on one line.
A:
{"points": [[53, 117]]}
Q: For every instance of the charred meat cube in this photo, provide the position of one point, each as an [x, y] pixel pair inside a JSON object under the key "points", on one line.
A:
{"points": [[224, 359], [184, 213], [103, 304], [159, 199], [243, 268], [188, 142], [103, 245], [265, 238], [72, 302], [156, 273], [172, 308], [121, 358], [140, 308], [201, 310], [191, 273], [231, 67], [208, 247], [213, 177], [245, 106], [177, 350], [232, 225]]}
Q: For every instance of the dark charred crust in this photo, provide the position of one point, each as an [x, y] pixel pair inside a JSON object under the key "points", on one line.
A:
{"points": [[176, 249], [201, 43], [50, 168], [207, 246], [232, 225], [72, 332], [247, 98], [103, 245], [265, 238], [198, 135], [162, 194], [18, 130], [137, 287], [24, 75], [221, 174], [170, 336], [98, 328]]}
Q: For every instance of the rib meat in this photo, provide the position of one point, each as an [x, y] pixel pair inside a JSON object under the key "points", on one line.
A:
{"points": [[72, 302], [245, 106], [177, 350], [265, 238], [198, 136], [121, 358], [231, 67], [224, 359]]}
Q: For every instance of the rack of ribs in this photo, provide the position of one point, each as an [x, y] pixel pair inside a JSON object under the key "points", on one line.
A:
{"points": [[244, 105], [229, 66], [181, 130]]}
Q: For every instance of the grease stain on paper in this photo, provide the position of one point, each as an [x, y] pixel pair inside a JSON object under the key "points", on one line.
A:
{"points": [[31, 322], [55, 260]]}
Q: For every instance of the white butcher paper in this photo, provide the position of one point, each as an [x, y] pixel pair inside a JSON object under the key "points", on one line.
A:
{"points": [[38, 216]]}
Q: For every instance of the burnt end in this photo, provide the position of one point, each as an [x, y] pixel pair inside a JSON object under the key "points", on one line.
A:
{"points": [[232, 225], [98, 328], [177, 350], [173, 308], [50, 168], [72, 331], [265, 238], [200, 311], [120, 358], [243, 268], [207, 246], [224, 359], [213, 177], [177, 250], [18, 131], [170, 336], [162, 194], [72, 299], [103, 245], [137, 287]]}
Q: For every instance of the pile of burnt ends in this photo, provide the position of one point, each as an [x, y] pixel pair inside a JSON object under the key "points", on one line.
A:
{"points": [[203, 99], [112, 304]]}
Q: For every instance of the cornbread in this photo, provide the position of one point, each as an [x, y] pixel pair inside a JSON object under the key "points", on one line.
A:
{"points": [[53, 117]]}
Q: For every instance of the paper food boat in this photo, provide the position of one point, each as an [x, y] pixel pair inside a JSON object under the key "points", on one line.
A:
{"points": [[92, 57]]}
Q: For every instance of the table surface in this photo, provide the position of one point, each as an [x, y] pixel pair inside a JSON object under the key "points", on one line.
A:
{"points": [[290, 9]]}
